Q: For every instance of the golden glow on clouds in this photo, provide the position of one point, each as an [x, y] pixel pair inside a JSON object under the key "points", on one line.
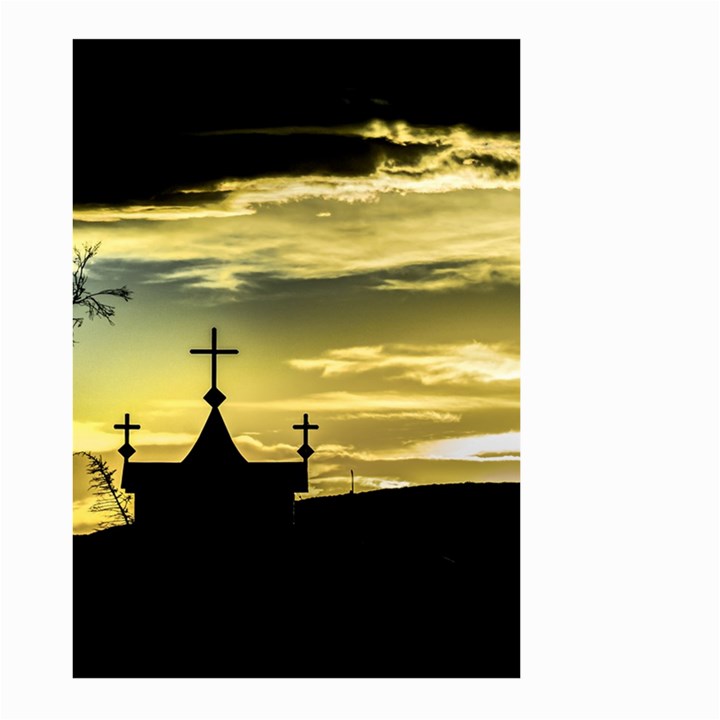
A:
{"points": [[458, 139], [469, 448], [475, 448], [244, 197], [502, 269], [468, 239], [351, 403], [214, 277], [343, 404], [159, 212], [426, 415], [456, 159], [255, 451], [429, 365]]}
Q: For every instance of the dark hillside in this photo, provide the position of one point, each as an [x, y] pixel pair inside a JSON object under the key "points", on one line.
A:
{"points": [[417, 582]]}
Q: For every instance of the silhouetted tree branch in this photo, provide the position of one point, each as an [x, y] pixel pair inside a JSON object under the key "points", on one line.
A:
{"points": [[109, 500], [90, 301]]}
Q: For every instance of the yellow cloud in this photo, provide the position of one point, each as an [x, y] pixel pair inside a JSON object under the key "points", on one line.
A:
{"points": [[472, 447], [425, 415], [353, 402], [503, 269], [158, 212], [497, 447], [254, 450], [430, 365], [245, 196], [340, 484], [412, 242]]}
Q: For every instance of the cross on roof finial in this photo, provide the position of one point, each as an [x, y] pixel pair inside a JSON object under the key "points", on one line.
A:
{"points": [[214, 397], [127, 450], [305, 451]]}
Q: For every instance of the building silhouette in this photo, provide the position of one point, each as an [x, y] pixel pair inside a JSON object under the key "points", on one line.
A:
{"points": [[214, 492]]}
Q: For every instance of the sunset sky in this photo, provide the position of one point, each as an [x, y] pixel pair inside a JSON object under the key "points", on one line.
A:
{"points": [[358, 242]]}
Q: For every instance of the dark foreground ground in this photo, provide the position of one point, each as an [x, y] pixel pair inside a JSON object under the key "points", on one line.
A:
{"points": [[416, 582]]}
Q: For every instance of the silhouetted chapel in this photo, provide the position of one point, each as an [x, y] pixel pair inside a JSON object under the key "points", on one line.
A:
{"points": [[214, 490]]}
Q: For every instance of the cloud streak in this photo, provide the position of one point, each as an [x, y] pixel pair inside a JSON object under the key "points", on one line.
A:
{"points": [[474, 363], [421, 415], [483, 273], [478, 448], [380, 402], [497, 447], [463, 141], [255, 450]]}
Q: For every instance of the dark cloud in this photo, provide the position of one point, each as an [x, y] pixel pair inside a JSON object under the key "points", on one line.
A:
{"points": [[261, 286], [177, 275], [137, 105], [167, 282], [145, 271], [194, 161], [504, 454], [499, 165], [177, 198]]}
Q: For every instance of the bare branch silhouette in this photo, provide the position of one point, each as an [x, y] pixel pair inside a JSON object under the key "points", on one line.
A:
{"points": [[113, 502], [90, 301]]}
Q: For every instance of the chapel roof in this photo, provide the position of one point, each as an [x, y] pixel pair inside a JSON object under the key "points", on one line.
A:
{"points": [[214, 454]]}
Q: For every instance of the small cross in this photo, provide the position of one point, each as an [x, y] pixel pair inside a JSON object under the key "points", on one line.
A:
{"points": [[305, 451], [214, 352], [127, 449]]}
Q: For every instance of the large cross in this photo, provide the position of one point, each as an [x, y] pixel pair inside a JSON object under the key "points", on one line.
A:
{"points": [[214, 352], [305, 451], [127, 427], [127, 449]]}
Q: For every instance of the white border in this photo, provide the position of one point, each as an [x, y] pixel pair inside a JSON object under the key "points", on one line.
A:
{"points": [[620, 358]]}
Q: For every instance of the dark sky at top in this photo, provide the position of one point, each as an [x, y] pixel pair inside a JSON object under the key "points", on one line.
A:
{"points": [[138, 105]]}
